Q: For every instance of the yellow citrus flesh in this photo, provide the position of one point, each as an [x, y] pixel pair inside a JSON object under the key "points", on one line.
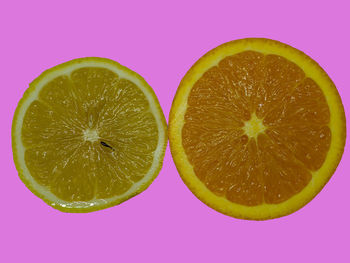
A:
{"points": [[88, 134], [256, 129]]}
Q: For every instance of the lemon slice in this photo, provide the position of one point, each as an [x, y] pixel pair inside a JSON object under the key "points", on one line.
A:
{"points": [[88, 134]]}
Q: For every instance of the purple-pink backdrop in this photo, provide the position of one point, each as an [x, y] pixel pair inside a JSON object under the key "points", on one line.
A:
{"points": [[160, 41]]}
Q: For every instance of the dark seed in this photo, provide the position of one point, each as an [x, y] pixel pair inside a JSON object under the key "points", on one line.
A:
{"points": [[106, 145]]}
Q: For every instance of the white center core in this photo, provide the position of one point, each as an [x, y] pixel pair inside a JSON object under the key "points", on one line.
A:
{"points": [[254, 126], [91, 135]]}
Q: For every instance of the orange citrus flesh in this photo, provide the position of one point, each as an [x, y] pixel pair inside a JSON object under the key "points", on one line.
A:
{"points": [[67, 109], [255, 128]]}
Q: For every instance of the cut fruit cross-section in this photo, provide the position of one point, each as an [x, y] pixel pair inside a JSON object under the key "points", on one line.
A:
{"points": [[256, 129], [88, 134]]}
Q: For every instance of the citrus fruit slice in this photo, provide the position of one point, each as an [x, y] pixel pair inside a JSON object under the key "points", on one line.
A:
{"points": [[256, 129], [88, 134]]}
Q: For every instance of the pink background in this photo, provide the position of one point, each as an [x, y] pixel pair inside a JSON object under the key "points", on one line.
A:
{"points": [[160, 41]]}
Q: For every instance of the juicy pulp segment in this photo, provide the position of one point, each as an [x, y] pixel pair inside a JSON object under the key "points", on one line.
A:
{"points": [[278, 162], [58, 154]]}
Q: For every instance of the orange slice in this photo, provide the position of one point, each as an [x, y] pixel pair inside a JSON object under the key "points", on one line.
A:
{"points": [[256, 129]]}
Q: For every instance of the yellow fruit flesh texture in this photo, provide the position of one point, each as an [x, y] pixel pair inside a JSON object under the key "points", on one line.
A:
{"points": [[89, 135]]}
